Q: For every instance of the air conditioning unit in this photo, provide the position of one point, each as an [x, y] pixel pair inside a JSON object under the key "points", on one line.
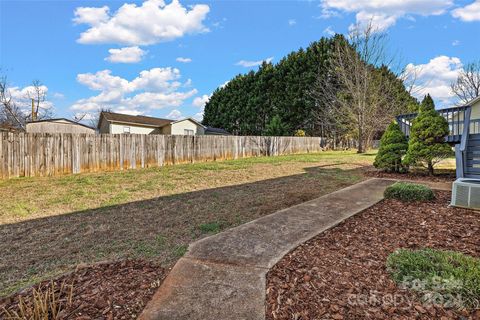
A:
{"points": [[466, 193]]}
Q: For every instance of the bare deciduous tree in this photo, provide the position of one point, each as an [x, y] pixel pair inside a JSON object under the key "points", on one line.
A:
{"points": [[15, 112], [360, 94], [37, 94], [95, 117], [11, 115], [467, 85]]}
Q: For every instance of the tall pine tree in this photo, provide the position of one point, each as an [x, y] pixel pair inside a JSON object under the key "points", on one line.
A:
{"points": [[427, 145], [249, 102]]}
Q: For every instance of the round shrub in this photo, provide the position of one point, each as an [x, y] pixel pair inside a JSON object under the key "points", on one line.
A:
{"points": [[409, 192], [446, 277]]}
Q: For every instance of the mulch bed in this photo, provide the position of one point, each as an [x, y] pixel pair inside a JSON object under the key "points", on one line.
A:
{"points": [[440, 176], [333, 275], [115, 290]]}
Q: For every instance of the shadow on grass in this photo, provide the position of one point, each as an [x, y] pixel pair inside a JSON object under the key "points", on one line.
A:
{"points": [[159, 228]]}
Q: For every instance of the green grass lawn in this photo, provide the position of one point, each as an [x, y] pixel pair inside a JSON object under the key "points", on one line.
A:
{"points": [[49, 225], [28, 198]]}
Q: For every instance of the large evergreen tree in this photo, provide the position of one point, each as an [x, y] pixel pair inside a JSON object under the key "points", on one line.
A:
{"points": [[249, 102], [427, 144]]}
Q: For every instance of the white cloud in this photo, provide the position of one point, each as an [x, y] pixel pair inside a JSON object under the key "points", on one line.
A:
{"points": [[183, 60], [248, 64], [384, 13], [198, 116], [188, 83], [174, 115], [150, 23], [125, 110], [379, 21], [456, 43], [58, 95], [91, 16], [468, 13], [200, 102], [329, 31], [156, 88], [292, 22], [435, 78], [126, 55], [158, 79]]}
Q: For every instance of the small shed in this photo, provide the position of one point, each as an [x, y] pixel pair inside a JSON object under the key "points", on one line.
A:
{"points": [[59, 125]]}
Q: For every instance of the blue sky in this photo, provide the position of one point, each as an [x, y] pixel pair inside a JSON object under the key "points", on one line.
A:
{"points": [[165, 58]]}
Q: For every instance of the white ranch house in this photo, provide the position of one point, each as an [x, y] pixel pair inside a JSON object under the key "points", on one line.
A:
{"points": [[117, 123]]}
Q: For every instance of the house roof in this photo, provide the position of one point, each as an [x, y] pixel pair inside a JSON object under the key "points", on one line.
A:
{"points": [[141, 120], [473, 101], [62, 119], [191, 119], [217, 130]]}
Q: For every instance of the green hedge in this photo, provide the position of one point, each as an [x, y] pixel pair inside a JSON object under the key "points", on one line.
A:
{"points": [[409, 192], [447, 277]]}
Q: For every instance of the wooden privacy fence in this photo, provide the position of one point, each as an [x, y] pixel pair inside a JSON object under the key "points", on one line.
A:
{"points": [[37, 154]]}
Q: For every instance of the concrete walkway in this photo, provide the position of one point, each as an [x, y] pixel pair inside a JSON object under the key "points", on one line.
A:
{"points": [[223, 276]]}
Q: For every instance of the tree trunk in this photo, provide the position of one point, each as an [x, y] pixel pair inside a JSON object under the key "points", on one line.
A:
{"points": [[430, 168], [361, 143]]}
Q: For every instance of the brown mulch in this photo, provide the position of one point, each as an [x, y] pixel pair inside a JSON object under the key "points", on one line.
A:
{"points": [[440, 176], [115, 290], [341, 273]]}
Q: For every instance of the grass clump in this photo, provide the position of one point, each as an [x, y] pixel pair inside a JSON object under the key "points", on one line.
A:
{"points": [[409, 192], [448, 278], [210, 227], [180, 250]]}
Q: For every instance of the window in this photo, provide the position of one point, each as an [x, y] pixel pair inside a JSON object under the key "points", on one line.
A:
{"points": [[188, 132], [126, 130]]}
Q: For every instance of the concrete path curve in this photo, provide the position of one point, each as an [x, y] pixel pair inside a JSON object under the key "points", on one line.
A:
{"points": [[223, 276]]}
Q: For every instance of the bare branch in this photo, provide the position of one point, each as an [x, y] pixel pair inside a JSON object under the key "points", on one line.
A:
{"points": [[467, 85], [361, 94], [10, 113]]}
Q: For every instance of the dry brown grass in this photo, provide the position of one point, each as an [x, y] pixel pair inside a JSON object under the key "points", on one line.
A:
{"points": [[43, 304], [49, 225]]}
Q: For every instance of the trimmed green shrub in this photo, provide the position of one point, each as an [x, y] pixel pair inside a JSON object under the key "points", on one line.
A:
{"points": [[409, 192], [427, 144], [299, 133], [393, 146], [445, 277]]}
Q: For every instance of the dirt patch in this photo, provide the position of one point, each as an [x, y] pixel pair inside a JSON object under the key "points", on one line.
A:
{"points": [[440, 176], [118, 290], [341, 273]]}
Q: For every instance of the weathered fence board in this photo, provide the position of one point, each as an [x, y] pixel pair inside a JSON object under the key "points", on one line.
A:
{"points": [[40, 154]]}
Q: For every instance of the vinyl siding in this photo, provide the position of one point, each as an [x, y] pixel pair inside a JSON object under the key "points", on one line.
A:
{"points": [[180, 127]]}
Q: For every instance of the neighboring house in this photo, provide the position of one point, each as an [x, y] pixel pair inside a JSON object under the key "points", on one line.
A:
{"points": [[60, 125], [474, 117], [110, 122], [188, 126]]}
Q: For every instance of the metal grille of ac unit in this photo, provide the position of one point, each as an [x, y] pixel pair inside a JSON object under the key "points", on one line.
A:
{"points": [[462, 195], [466, 193], [475, 197]]}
